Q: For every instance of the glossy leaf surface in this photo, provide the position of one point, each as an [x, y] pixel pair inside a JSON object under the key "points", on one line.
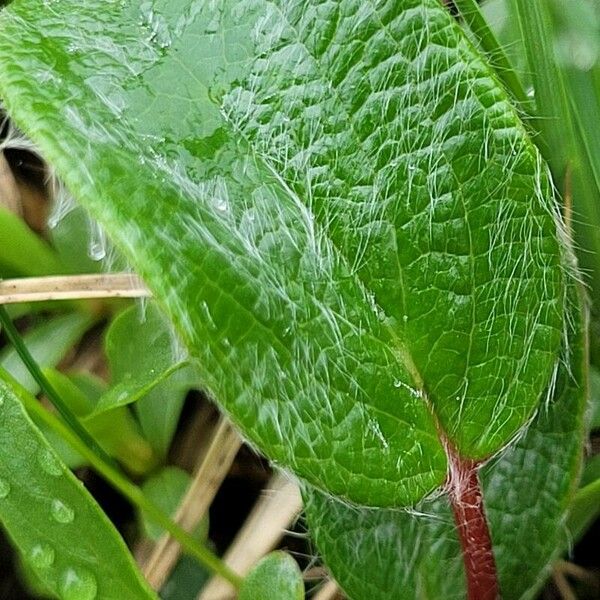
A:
{"points": [[334, 202], [61, 532]]}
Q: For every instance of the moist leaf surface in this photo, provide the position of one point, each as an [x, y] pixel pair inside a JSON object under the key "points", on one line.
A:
{"points": [[62, 534], [334, 202]]}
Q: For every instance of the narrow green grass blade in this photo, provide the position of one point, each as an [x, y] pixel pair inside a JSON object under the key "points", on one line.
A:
{"points": [[566, 105], [553, 116], [474, 18]]}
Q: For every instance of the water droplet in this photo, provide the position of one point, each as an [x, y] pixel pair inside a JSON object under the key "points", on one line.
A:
{"points": [[73, 48], [42, 556], [78, 584], [62, 512], [405, 318], [221, 204], [4, 488], [97, 244], [49, 463]]}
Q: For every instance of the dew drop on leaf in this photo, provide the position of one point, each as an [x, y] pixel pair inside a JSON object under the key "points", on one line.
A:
{"points": [[97, 242], [4, 488], [42, 556], [49, 463], [61, 512], [78, 584]]}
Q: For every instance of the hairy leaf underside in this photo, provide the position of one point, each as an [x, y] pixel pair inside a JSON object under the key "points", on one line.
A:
{"points": [[333, 201]]}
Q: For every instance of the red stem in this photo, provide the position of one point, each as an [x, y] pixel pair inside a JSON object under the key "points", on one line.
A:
{"points": [[466, 499]]}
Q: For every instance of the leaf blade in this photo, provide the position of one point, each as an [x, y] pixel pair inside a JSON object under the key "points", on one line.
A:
{"points": [[48, 343], [63, 534], [533, 481], [276, 576], [262, 265]]}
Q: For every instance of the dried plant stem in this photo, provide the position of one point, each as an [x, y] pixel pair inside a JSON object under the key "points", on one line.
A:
{"points": [[329, 591], [72, 287], [262, 530], [562, 585], [10, 197], [224, 446]]}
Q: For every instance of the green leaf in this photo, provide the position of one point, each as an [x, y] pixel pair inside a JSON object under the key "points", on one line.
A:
{"points": [[65, 451], [115, 430], [568, 104], [121, 483], [61, 532], [594, 398], [276, 576], [186, 580], [591, 471], [48, 343], [584, 509], [149, 368], [22, 252], [335, 204], [166, 489], [71, 238], [527, 492]]}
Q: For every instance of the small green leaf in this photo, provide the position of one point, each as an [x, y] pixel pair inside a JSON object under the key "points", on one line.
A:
{"points": [[186, 580], [595, 398], [23, 252], [148, 367], [166, 489], [584, 510], [141, 347], [48, 344], [591, 471], [276, 577], [115, 430], [72, 238], [61, 532]]}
